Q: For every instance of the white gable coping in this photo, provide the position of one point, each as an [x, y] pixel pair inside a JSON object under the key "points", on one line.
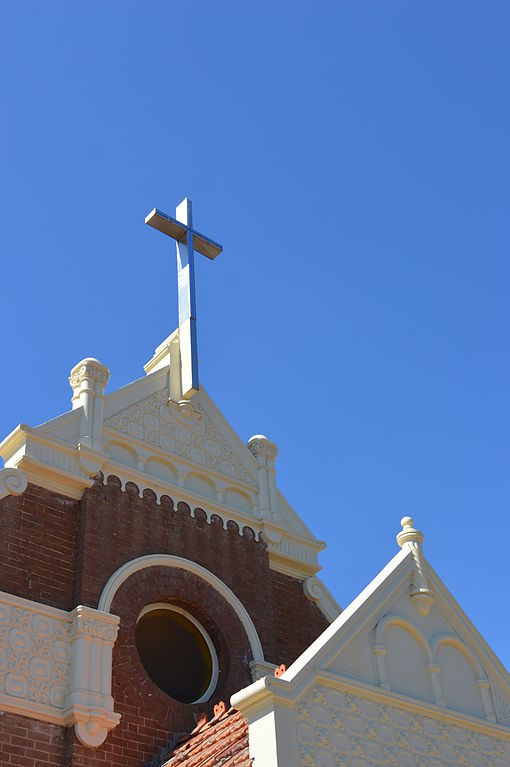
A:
{"points": [[307, 712]]}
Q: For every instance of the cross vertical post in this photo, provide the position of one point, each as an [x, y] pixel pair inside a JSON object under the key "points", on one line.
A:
{"points": [[187, 301], [188, 240]]}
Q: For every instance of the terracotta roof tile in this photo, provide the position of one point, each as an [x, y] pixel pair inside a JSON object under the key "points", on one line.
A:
{"points": [[222, 742]]}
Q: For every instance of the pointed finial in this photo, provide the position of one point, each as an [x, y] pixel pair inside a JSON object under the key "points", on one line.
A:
{"points": [[412, 538]]}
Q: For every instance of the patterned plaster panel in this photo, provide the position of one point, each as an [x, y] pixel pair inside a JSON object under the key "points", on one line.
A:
{"points": [[35, 655], [185, 431], [49, 661], [339, 729]]}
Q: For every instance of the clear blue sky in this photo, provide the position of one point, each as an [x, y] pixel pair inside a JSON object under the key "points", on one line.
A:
{"points": [[353, 158]]}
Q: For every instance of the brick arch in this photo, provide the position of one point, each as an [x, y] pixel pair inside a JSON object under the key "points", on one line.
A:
{"points": [[137, 698], [188, 566]]}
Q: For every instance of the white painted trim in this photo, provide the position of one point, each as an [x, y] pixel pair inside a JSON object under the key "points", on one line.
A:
{"points": [[168, 560], [210, 646]]}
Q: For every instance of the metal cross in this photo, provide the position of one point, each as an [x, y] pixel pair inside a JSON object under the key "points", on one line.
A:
{"points": [[188, 240]]}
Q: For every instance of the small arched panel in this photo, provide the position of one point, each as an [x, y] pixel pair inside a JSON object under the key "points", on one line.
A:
{"points": [[121, 454], [458, 681], [237, 500], [201, 485], [161, 469], [407, 664]]}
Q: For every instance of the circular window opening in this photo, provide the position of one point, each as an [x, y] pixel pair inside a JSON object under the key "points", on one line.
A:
{"points": [[177, 653]]}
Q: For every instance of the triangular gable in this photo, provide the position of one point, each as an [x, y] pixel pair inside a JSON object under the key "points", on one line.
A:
{"points": [[384, 638], [400, 677], [182, 448]]}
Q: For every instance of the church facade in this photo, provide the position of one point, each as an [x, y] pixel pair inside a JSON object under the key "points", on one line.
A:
{"points": [[160, 605], [133, 505]]}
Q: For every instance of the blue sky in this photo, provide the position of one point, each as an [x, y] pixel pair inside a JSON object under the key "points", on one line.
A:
{"points": [[353, 159]]}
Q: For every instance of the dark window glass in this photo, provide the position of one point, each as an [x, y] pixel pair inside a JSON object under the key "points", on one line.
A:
{"points": [[174, 654]]}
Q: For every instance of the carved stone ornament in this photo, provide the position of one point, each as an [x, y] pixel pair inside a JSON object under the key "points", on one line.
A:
{"points": [[339, 728], [12, 482], [185, 431], [48, 658], [90, 370], [263, 449], [316, 592]]}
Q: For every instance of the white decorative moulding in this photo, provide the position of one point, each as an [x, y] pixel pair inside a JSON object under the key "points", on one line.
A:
{"points": [[55, 666], [183, 429], [336, 721], [335, 726]]}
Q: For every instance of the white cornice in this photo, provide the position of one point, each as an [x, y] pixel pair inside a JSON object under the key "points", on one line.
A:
{"points": [[64, 469]]}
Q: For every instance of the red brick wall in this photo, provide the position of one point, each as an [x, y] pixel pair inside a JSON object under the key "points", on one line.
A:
{"points": [[38, 546], [149, 717], [118, 526], [110, 527], [28, 743]]}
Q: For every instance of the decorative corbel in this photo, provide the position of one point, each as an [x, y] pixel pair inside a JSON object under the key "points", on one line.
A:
{"points": [[12, 482], [412, 539], [90, 701], [317, 592]]}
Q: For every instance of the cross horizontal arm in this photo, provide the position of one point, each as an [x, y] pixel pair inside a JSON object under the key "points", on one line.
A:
{"points": [[178, 231]]}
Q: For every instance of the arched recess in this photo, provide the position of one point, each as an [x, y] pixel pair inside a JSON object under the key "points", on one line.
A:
{"points": [[200, 484], [463, 679], [398, 620], [162, 469], [237, 499], [122, 454], [405, 660], [168, 560]]}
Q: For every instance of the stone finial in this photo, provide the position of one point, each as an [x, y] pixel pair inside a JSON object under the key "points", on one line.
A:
{"points": [[88, 380], [265, 453], [409, 532], [412, 539]]}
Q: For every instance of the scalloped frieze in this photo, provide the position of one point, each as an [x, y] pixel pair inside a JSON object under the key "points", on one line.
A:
{"points": [[183, 430]]}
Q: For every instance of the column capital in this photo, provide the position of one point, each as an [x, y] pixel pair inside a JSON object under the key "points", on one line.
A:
{"points": [[263, 449], [88, 373]]}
